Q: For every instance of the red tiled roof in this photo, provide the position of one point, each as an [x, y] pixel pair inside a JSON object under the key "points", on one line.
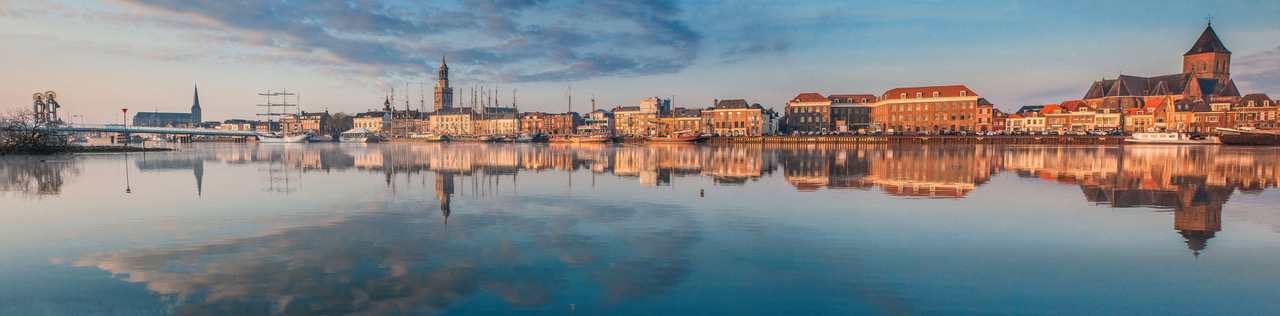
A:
{"points": [[1015, 115], [1072, 105], [927, 92], [810, 97], [1049, 108]]}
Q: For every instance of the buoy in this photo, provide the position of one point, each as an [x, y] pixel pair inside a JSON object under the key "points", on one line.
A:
{"points": [[702, 192]]}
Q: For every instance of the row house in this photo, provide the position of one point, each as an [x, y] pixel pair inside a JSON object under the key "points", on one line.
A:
{"points": [[531, 123], [1255, 110], [932, 109], [851, 112], [314, 122], [598, 122], [641, 120], [561, 123], [680, 121], [498, 121], [809, 112], [631, 121], [371, 120], [737, 118], [453, 121]]}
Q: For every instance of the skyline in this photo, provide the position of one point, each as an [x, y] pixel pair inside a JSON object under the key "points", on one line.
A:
{"points": [[147, 55]]}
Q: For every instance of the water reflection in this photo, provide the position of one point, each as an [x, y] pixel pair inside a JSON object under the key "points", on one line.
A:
{"points": [[398, 261], [37, 176], [392, 254]]}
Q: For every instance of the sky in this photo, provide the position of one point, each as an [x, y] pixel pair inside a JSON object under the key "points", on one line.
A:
{"points": [[347, 56]]}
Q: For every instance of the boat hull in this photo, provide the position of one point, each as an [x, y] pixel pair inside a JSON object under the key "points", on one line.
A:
{"points": [[588, 139], [685, 139], [279, 139], [1250, 139]]}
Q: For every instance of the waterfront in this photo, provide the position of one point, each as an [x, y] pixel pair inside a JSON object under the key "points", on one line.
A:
{"points": [[643, 229]]}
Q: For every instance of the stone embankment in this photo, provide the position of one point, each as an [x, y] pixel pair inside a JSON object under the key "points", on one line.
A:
{"points": [[850, 139]]}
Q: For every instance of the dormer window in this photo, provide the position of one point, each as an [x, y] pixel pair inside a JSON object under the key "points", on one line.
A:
{"points": [[919, 95], [864, 100], [935, 94], [964, 93], [904, 96]]}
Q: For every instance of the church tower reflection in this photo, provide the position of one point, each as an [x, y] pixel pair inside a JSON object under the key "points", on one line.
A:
{"points": [[1199, 214], [444, 192]]}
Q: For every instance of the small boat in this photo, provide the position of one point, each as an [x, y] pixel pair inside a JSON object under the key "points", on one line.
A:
{"points": [[675, 139], [358, 135], [430, 137], [1253, 137], [1171, 138], [321, 139], [476, 138], [580, 139], [282, 138], [524, 138]]}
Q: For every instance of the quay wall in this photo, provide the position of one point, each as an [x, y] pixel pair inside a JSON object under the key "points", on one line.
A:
{"points": [[933, 139]]}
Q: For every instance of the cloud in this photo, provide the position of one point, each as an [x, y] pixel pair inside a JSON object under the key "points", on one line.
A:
{"points": [[1258, 72], [490, 40]]}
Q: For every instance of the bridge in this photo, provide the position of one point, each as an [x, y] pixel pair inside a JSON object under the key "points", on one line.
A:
{"points": [[110, 128], [177, 134]]}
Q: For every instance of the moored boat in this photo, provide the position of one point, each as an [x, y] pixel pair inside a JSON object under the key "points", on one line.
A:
{"points": [[580, 139], [430, 137], [282, 138], [1171, 138], [675, 139], [358, 135], [1255, 137]]}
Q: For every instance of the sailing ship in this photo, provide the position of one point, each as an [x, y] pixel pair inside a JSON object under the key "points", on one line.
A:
{"points": [[279, 136], [688, 136], [579, 138]]}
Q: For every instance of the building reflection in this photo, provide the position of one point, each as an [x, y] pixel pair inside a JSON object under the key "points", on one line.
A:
{"points": [[1192, 182], [37, 176]]}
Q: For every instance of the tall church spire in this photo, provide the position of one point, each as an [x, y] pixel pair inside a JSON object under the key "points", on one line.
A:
{"points": [[1208, 43], [195, 106]]}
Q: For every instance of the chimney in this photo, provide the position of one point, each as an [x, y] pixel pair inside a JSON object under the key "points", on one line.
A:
{"points": [[715, 103]]}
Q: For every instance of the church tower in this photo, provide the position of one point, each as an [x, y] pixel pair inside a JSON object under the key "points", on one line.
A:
{"points": [[1208, 58], [444, 93], [195, 107]]}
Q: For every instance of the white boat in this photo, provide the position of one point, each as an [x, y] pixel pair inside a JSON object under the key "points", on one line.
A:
{"points": [[358, 135], [1171, 138], [282, 138]]}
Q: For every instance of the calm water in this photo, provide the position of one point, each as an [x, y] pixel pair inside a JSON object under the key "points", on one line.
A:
{"points": [[635, 229]]}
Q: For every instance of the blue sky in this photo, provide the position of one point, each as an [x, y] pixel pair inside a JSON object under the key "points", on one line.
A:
{"points": [[345, 56]]}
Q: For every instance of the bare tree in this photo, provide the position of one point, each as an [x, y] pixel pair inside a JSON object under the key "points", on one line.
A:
{"points": [[22, 132]]}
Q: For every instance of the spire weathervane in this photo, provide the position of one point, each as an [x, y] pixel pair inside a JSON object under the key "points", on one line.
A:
{"points": [[1210, 19]]}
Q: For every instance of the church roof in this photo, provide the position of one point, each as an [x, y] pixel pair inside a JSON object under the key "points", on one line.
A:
{"points": [[1208, 43], [162, 115]]}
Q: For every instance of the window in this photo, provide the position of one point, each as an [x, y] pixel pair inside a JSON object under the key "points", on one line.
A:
{"points": [[919, 95], [1213, 118], [964, 93], [904, 96], [935, 94], [864, 100]]}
